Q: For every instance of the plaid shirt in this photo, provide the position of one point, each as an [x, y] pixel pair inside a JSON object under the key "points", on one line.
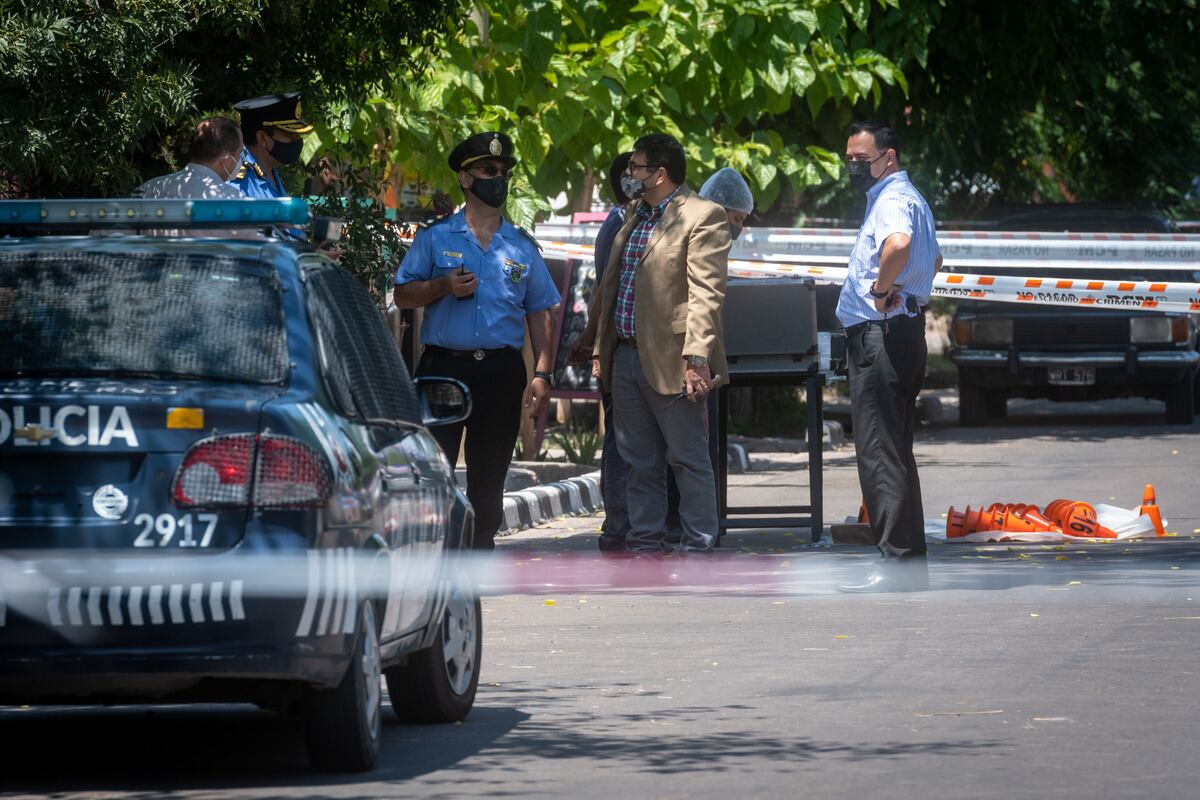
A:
{"points": [[625, 313]]}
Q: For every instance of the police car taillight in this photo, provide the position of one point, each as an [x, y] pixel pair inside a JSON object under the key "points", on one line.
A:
{"points": [[249, 471], [216, 473], [290, 474]]}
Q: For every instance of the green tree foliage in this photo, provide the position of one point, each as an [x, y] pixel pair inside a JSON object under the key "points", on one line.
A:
{"points": [[1095, 100], [94, 94], [575, 83]]}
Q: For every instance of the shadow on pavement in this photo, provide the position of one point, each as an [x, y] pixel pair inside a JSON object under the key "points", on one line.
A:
{"points": [[147, 751]]}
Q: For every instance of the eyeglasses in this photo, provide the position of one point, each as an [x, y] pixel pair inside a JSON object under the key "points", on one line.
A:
{"points": [[632, 166], [491, 170]]}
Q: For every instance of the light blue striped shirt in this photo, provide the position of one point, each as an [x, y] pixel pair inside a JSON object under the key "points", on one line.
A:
{"points": [[893, 206]]}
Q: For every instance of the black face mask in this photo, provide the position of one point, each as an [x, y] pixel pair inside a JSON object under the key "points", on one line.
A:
{"points": [[860, 173], [734, 231], [492, 191], [286, 153]]}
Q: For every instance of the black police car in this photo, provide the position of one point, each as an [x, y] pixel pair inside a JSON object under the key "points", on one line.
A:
{"points": [[217, 482]]}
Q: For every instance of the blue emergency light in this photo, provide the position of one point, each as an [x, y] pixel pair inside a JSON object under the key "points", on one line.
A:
{"points": [[142, 213]]}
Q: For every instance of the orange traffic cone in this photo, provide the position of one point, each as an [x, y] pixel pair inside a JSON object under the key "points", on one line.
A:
{"points": [[956, 523], [962, 523], [1150, 509], [1036, 521], [1079, 519]]}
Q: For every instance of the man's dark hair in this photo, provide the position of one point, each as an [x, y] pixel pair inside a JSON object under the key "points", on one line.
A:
{"points": [[664, 150], [883, 133], [614, 177], [214, 137]]}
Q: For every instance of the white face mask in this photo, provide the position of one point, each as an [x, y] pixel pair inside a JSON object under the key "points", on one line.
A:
{"points": [[233, 168]]}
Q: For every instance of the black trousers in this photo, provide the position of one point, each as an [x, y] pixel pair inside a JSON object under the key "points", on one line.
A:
{"points": [[497, 384], [887, 368]]}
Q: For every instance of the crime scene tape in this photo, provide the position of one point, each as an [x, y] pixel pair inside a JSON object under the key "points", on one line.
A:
{"points": [[960, 249], [1141, 295]]}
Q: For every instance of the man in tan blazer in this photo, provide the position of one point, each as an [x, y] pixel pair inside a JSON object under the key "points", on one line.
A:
{"points": [[659, 342]]}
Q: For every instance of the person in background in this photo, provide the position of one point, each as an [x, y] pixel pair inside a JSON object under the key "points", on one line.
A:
{"points": [[212, 160], [274, 136], [482, 283], [728, 189], [612, 467], [212, 157]]}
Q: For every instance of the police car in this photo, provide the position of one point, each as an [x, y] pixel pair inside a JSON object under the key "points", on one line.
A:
{"points": [[217, 482]]}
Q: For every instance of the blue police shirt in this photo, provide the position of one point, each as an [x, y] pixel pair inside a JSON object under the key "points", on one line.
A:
{"points": [[513, 282], [268, 186], [893, 206]]}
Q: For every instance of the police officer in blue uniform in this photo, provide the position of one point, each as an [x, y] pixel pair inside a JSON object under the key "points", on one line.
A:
{"points": [[273, 134], [482, 282]]}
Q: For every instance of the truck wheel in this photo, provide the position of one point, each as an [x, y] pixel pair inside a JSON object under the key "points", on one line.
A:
{"points": [[997, 405], [1181, 402], [438, 684], [343, 724], [972, 404]]}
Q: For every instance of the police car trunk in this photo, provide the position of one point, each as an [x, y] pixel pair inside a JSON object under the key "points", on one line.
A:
{"points": [[117, 357]]}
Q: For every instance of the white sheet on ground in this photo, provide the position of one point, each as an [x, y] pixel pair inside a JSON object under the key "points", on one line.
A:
{"points": [[1127, 523]]}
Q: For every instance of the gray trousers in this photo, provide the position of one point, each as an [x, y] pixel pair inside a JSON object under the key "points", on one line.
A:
{"points": [[651, 433], [887, 368]]}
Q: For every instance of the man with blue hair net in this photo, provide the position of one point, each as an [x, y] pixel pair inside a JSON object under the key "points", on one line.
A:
{"points": [[729, 189]]}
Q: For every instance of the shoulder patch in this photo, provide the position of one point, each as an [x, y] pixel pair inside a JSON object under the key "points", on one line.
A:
{"points": [[241, 173], [530, 237], [253, 165]]}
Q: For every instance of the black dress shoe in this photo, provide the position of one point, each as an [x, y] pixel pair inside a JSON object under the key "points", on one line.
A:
{"points": [[901, 575]]}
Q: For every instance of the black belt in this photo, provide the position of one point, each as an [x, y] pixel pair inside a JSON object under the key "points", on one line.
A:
{"points": [[630, 342], [478, 355], [884, 323]]}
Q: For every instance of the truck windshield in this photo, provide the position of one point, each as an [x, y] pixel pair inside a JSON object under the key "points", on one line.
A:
{"points": [[140, 314]]}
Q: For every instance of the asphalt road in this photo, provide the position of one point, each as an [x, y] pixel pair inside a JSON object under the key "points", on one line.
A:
{"points": [[1025, 671]]}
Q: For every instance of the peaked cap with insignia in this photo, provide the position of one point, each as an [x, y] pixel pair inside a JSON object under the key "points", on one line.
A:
{"points": [[481, 146], [272, 111]]}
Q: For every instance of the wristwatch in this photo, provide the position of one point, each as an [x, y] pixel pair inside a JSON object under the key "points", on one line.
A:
{"points": [[695, 362], [546, 376], [875, 294]]}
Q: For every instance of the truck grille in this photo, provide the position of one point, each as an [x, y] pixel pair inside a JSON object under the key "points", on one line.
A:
{"points": [[1075, 331]]}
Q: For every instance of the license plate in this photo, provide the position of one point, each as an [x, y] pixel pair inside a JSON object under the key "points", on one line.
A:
{"points": [[1072, 376]]}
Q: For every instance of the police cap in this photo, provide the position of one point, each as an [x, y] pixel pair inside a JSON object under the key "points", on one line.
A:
{"points": [[479, 147], [272, 111]]}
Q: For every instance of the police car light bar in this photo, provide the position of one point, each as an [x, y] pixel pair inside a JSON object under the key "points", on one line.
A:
{"points": [[141, 213]]}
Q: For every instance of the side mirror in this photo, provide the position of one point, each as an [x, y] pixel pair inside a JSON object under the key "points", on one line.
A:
{"points": [[444, 401]]}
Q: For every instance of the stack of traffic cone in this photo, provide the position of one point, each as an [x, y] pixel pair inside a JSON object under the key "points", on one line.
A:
{"points": [[1011, 517], [1149, 508], [1077, 518]]}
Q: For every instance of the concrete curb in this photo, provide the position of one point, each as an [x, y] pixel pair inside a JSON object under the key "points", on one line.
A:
{"points": [[537, 504]]}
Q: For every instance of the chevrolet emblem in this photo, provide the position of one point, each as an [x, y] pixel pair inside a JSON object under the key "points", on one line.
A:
{"points": [[34, 433]]}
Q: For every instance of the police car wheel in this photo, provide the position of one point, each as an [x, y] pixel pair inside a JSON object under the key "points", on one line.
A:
{"points": [[438, 684], [343, 724]]}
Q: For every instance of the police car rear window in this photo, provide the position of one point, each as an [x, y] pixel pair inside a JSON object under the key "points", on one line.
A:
{"points": [[137, 314]]}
